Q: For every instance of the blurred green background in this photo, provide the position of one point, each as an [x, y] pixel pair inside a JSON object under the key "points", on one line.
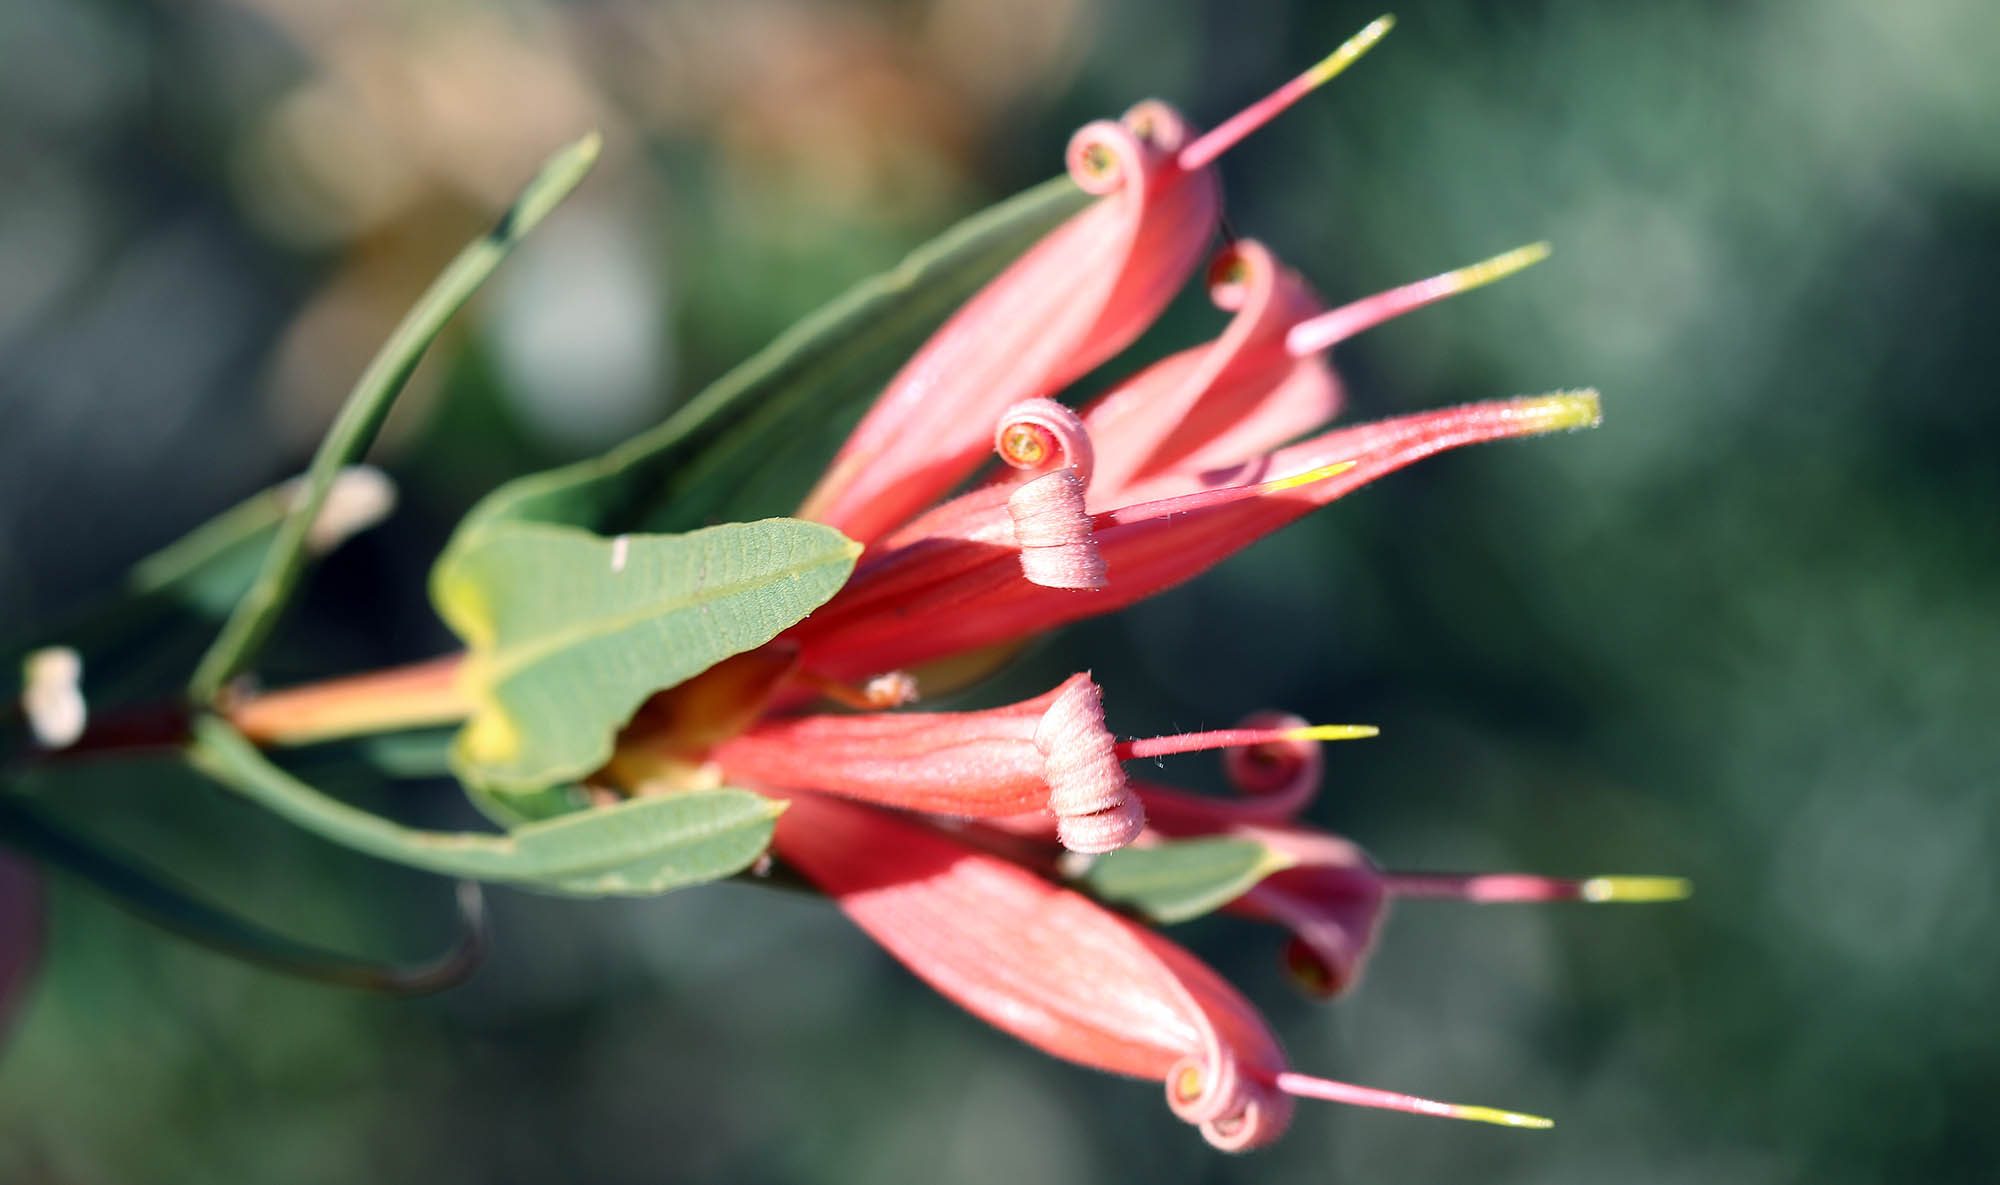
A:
{"points": [[1746, 632]]}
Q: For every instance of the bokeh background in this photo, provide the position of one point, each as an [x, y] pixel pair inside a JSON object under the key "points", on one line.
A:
{"points": [[1748, 631]]}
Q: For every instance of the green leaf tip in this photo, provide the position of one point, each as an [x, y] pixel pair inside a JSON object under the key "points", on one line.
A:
{"points": [[561, 173], [1182, 879]]}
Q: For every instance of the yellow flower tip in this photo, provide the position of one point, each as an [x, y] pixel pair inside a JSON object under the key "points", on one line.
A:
{"points": [[1350, 50], [1333, 732], [1497, 268], [1308, 477], [1637, 888], [1503, 1118], [1563, 411]]}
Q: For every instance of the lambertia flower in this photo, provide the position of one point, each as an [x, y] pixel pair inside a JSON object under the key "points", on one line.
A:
{"points": [[992, 512], [945, 835]]}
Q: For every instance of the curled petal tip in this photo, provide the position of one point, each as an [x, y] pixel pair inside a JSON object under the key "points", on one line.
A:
{"points": [[1094, 808], [1041, 434], [1104, 831], [1637, 888], [1054, 533]]}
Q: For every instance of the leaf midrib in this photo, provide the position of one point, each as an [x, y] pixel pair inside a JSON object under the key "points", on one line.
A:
{"points": [[745, 814], [506, 663]]}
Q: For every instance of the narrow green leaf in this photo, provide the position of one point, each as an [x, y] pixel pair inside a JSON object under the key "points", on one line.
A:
{"points": [[1182, 879], [210, 567], [153, 897], [679, 474], [368, 404], [643, 846], [649, 845], [569, 633]]}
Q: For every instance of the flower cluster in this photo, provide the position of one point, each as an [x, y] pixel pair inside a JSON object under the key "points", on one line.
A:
{"points": [[944, 835]]}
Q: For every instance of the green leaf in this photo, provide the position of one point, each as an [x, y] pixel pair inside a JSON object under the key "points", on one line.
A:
{"points": [[151, 896], [1182, 879], [642, 846], [569, 633], [649, 845], [368, 404], [682, 473]]}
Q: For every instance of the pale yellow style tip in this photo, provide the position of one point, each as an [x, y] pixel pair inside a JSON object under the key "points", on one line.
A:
{"points": [[1637, 888], [1350, 50], [1497, 268], [1566, 410], [1308, 477], [1503, 1118], [1333, 732]]}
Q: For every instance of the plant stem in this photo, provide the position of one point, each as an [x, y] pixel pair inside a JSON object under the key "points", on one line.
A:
{"points": [[393, 699]]}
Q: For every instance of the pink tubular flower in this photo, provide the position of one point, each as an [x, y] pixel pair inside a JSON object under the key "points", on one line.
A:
{"points": [[1331, 896], [1077, 297], [1064, 974], [1050, 757], [1265, 381], [1219, 403], [1050, 753], [1173, 471], [975, 915], [953, 580]]}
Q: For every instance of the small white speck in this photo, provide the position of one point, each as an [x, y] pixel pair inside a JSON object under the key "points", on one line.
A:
{"points": [[360, 497], [620, 548], [52, 696]]}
